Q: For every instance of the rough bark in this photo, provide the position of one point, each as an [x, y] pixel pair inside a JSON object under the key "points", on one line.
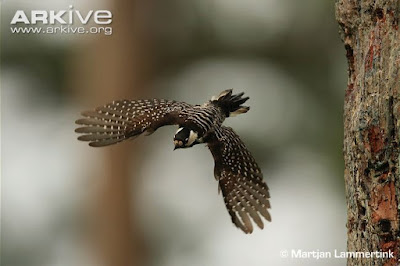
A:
{"points": [[370, 33]]}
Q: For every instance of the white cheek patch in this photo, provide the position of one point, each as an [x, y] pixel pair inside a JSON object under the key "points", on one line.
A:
{"points": [[179, 129], [192, 137]]}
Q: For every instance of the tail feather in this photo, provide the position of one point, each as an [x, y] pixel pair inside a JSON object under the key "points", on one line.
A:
{"points": [[231, 104], [239, 111]]}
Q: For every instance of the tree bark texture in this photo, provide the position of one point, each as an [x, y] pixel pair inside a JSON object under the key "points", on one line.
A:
{"points": [[370, 32]]}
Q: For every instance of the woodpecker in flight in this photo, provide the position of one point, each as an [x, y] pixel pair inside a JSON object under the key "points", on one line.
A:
{"points": [[240, 179]]}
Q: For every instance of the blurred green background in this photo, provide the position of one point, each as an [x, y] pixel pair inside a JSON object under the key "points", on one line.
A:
{"points": [[141, 203]]}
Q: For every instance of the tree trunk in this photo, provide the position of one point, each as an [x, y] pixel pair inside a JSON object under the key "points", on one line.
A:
{"points": [[370, 33], [111, 68]]}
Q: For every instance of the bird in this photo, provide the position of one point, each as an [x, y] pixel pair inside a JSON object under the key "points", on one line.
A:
{"points": [[239, 177]]}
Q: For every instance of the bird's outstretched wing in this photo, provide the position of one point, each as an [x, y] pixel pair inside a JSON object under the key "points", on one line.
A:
{"points": [[240, 179], [125, 119]]}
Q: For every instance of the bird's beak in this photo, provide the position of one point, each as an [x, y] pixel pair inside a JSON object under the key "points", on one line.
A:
{"points": [[176, 143]]}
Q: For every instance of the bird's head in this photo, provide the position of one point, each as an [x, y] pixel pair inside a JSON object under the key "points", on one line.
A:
{"points": [[184, 138]]}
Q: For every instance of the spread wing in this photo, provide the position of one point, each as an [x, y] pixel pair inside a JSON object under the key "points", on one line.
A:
{"points": [[240, 179], [120, 120]]}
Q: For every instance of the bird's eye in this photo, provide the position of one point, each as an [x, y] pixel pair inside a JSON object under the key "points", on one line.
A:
{"points": [[186, 139]]}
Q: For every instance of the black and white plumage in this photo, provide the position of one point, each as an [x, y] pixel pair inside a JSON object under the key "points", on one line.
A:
{"points": [[240, 179]]}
